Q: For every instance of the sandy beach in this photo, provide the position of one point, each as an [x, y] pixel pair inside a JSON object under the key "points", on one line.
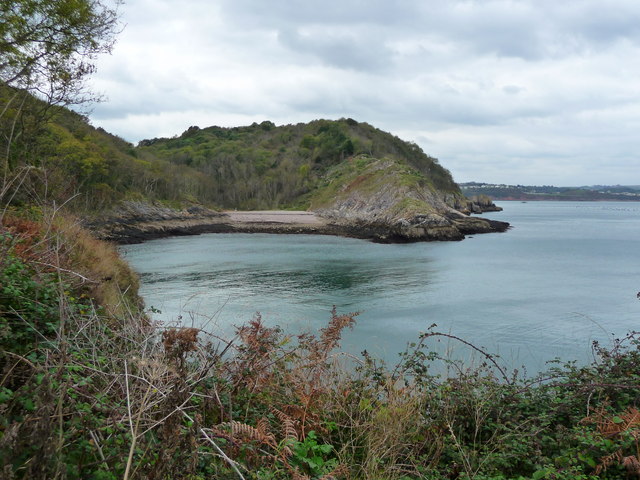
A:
{"points": [[275, 216]]}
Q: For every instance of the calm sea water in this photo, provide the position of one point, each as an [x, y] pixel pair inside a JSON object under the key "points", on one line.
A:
{"points": [[565, 274]]}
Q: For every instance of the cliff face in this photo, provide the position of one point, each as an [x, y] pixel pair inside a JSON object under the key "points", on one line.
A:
{"points": [[386, 200], [135, 222], [396, 202]]}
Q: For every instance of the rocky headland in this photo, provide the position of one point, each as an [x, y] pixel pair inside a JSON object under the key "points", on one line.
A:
{"points": [[136, 222], [394, 202]]}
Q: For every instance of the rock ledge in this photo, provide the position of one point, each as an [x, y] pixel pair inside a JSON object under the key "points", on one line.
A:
{"points": [[136, 222]]}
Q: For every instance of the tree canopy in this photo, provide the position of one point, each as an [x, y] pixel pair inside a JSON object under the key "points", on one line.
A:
{"points": [[48, 47], [47, 50]]}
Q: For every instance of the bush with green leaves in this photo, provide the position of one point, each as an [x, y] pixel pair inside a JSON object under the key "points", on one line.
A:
{"points": [[29, 307]]}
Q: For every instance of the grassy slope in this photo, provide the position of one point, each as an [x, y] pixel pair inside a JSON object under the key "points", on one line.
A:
{"points": [[367, 177]]}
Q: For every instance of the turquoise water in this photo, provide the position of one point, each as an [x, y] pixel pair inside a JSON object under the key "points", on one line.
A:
{"points": [[566, 274]]}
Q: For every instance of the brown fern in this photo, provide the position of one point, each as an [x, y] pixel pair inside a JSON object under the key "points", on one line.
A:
{"points": [[263, 427], [254, 359], [607, 461], [288, 425], [340, 471], [632, 465], [330, 335], [611, 426], [249, 433], [296, 475], [178, 341]]}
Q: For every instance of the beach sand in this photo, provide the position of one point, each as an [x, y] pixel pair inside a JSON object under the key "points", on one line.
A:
{"points": [[275, 216]]}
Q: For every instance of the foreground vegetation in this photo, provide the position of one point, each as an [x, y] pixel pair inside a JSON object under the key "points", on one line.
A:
{"points": [[91, 388]]}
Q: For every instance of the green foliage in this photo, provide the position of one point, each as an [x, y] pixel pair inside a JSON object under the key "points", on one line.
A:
{"points": [[87, 393], [256, 167], [47, 52], [311, 457], [262, 167], [47, 47], [89, 170], [283, 408], [29, 309]]}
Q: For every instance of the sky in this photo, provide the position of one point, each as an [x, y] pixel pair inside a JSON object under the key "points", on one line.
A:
{"points": [[532, 92]]}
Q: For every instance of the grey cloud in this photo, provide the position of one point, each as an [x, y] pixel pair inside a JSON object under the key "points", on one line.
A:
{"points": [[530, 30], [498, 90], [347, 50], [497, 27], [276, 13], [508, 29], [600, 23], [512, 89]]}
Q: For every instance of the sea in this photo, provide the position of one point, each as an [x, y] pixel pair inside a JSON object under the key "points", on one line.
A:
{"points": [[564, 275]]}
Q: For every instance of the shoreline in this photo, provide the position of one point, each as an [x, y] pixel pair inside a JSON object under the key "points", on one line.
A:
{"points": [[138, 222], [139, 232], [130, 229], [142, 222]]}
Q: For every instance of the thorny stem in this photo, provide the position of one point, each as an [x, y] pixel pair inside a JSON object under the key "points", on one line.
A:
{"points": [[488, 356], [134, 436], [465, 459], [215, 445]]}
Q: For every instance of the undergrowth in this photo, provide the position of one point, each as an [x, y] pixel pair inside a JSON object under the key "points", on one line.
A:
{"points": [[90, 388]]}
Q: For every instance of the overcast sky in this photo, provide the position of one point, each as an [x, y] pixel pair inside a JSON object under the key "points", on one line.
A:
{"points": [[528, 92]]}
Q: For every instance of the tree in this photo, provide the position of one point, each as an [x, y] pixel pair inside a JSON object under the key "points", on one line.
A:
{"points": [[47, 47], [47, 50]]}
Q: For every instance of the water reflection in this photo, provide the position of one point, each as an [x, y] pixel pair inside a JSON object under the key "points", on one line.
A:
{"points": [[565, 275], [365, 277]]}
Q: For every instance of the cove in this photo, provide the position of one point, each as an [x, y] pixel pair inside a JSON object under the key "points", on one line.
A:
{"points": [[566, 274]]}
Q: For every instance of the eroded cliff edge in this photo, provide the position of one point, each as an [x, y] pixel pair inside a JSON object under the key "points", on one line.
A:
{"points": [[395, 202], [358, 215]]}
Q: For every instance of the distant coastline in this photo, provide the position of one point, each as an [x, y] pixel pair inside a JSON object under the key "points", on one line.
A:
{"points": [[593, 193]]}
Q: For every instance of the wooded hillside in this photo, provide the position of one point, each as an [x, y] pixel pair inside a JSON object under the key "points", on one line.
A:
{"points": [[261, 166], [56, 155], [264, 166]]}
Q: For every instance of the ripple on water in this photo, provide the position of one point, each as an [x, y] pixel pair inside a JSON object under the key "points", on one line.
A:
{"points": [[566, 274]]}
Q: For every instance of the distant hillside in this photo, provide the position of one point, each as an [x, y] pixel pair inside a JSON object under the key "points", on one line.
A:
{"points": [[546, 192], [357, 176], [264, 166]]}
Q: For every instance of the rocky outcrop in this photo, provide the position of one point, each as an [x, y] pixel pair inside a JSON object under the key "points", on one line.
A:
{"points": [[396, 204], [450, 225], [135, 222], [482, 204], [475, 204], [383, 200]]}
